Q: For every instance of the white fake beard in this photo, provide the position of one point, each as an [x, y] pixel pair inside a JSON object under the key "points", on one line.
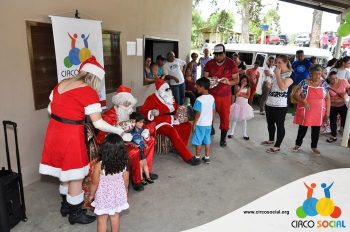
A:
{"points": [[167, 97], [123, 113]]}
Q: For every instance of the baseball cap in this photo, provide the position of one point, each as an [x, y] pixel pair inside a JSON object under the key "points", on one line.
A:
{"points": [[219, 48]]}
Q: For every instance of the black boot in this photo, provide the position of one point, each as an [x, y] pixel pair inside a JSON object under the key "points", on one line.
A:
{"points": [[65, 210], [77, 215], [223, 138], [138, 187]]}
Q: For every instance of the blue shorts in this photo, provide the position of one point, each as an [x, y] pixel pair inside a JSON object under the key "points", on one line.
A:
{"points": [[201, 135]]}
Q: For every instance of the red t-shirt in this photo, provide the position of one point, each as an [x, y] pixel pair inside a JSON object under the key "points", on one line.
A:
{"points": [[190, 85], [253, 76], [225, 70]]}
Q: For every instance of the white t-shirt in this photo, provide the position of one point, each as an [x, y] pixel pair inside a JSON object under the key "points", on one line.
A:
{"points": [[205, 104], [175, 69], [267, 78], [278, 97], [342, 73]]}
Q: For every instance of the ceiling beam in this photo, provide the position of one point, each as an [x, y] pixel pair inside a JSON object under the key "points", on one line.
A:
{"points": [[318, 6]]}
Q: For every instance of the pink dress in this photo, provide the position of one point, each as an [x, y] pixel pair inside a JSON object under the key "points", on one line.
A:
{"points": [[110, 197], [241, 110], [315, 96]]}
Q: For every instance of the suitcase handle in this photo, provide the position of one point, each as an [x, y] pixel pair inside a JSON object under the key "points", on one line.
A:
{"points": [[6, 122]]}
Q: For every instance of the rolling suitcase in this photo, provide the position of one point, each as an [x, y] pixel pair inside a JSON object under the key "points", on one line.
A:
{"points": [[12, 206]]}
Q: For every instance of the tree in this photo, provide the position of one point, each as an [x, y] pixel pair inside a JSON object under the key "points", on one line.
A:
{"points": [[222, 22], [273, 20], [316, 28], [250, 11], [197, 23]]}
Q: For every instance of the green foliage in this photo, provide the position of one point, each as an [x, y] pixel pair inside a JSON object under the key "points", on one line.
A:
{"points": [[273, 20], [254, 10], [196, 2], [222, 20], [197, 23]]}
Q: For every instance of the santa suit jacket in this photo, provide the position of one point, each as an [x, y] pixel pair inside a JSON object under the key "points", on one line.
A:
{"points": [[166, 111], [110, 116]]}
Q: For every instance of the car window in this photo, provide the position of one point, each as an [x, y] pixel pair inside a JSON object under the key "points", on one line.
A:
{"points": [[260, 58], [246, 57]]}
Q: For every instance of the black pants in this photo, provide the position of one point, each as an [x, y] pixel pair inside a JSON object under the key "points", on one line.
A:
{"points": [[315, 134], [275, 116], [263, 97], [342, 110], [191, 96]]}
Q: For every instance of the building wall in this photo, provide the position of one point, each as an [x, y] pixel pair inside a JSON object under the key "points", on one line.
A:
{"points": [[133, 18]]}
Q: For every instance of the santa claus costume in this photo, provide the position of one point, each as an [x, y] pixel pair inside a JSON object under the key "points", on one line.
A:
{"points": [[118, 113], [65, 154], [160, 108]]}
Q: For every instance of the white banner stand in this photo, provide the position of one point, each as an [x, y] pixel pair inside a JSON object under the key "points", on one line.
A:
{"points": [[346, 131]]}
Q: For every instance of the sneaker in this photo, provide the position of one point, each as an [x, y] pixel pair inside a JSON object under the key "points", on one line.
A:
{"points": [[206, 159], [197, 157], [262, 113], [193, 161]]}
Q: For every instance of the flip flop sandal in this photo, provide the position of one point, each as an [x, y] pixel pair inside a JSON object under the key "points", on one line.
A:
{"points": [[331, 140], [267, 143], [272, 150], [296, 148]]}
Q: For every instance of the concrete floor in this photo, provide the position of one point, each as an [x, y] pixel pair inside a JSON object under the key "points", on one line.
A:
{"points": [[185, 196]]}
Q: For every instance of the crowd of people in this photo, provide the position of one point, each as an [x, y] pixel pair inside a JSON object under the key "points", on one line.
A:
{"points": [[127, 137]]}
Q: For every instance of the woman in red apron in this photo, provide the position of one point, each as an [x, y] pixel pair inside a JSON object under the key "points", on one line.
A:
{"points": [[313, 107]]}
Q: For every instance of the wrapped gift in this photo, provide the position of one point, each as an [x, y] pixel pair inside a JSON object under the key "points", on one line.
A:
{"points": [[184, 114], [127, 125], [214, 81]]}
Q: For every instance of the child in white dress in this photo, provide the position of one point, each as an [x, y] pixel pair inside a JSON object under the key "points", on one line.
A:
{"points": [[241, 111], [110, 183]]}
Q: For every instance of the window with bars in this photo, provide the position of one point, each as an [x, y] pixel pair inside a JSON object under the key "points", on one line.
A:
{"points": [[43, 61]]}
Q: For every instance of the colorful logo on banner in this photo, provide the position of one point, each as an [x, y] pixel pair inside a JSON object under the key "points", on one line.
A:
{"points": [[324, 206], [77, 56]]}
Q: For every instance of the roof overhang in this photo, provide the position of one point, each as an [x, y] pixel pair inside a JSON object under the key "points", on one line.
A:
{"points": [[331, 6]]}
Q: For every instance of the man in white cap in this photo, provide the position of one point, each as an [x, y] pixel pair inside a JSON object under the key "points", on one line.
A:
{"points": [[124, 102], [226, 71], [160, 108]]}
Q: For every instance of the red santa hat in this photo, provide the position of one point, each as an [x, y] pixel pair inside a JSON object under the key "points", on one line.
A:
{"points": [[91, 65], [161, 85], [122, 95]]}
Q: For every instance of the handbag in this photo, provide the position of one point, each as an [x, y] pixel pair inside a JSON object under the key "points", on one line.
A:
{"points": [[292, 93]]}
